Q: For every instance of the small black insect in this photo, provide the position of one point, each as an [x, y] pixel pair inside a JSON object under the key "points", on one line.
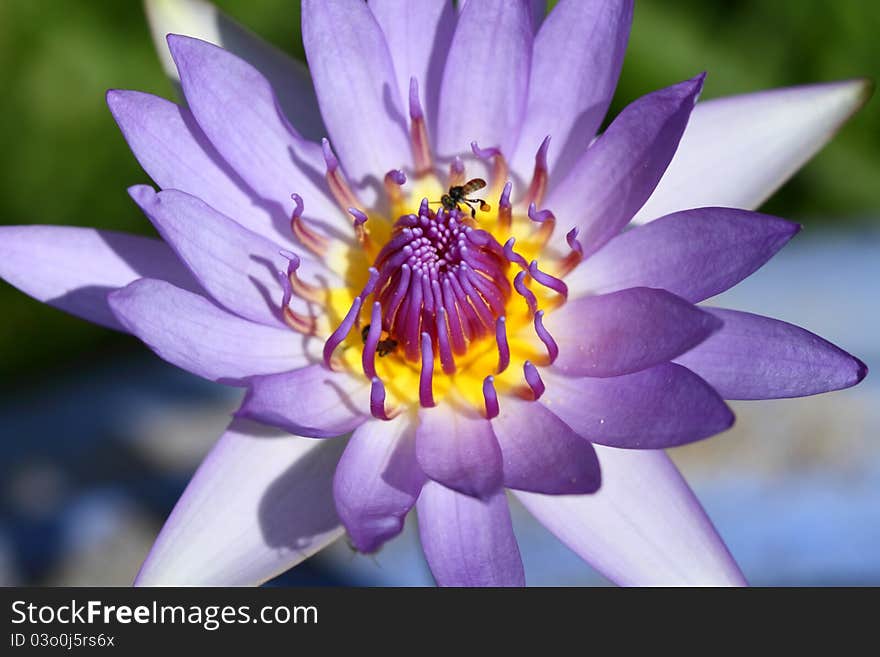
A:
{"points": [[459, 193], [386, 344]]}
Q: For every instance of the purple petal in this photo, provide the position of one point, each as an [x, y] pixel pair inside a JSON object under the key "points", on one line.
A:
{"points": [[191, 332], [643, 528], [313, 401], [541, 453], [377, 481], [575, 65], [259, 503], [485, 83], [357, 88], [175, 153], [236, 108], [418, 36], [755, 357], [616, 175], [457, 448], [537, 13], [203, 20], [626, 331], [737, 151], [467, 541], [662, 406], [75, 268], [695, 254], [238, 268]]}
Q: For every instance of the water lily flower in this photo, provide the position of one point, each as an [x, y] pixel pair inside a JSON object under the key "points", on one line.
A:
{"points": [[418, 271]]}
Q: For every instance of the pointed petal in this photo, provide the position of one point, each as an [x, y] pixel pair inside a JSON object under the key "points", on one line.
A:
{"points": [[485, 83], [260, 503], [756, 357], [356, 86], [238, 268], [236, 108], [75, 268], [694, 254], [457, 447], [643, 528], [467, 541], [191, 332], [313, 401], [663, 406], [541, 453], [203, 20], [418, 36], [626, 331], [175, 153], [737, 151], [616, 175], [575, 65], [377, 481]]}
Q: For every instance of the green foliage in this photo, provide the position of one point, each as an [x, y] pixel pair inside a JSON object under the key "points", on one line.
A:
{"points": [[748, 45]]}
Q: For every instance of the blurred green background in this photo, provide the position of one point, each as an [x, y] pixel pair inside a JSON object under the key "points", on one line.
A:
{"points": [[64, 161]]}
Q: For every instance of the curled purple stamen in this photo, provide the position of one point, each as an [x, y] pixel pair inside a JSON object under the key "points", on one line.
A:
{"points": [[501, 341], [287, 289], [504, 201], [335, 180], [505, 210], [299, 206], [330, 160], [396, 176], [342, 330], [547, 280], [573, 242], [359, 217], [293, 260], [299, 287], [490, 397], [368, 357], [500, 164], [540, 176], [377, 399], [541, 155], [540, 216], [426, 376], [293, 263], [520, 286], [371, 284], [485, 153], [316, 243], [544, 335], [512, 255], [533, 378]]}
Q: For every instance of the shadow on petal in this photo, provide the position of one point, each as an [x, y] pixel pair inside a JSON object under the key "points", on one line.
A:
{"points": [[298, 504]]}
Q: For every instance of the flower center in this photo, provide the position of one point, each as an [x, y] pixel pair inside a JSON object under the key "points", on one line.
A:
{"points": [[459, 284], [441, 276]]}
